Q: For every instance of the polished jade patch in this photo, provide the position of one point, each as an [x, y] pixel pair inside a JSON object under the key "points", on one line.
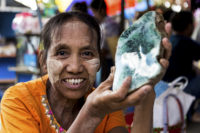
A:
{"points": [[138, 51]]}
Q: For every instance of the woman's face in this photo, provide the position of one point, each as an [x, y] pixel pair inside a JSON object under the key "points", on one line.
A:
{"points": [[73, 60]]}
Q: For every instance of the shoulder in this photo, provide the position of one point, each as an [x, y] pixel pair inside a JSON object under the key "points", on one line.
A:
{"points": [[25, 92], [23, 89], [22, 109], [22, 102], [184, 42]]}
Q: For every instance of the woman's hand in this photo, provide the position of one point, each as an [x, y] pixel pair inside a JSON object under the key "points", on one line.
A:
{"points": [[103, 100]]}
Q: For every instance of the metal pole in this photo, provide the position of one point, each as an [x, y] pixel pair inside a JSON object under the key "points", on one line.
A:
{"points": [[39, 15], [148, 5], [122, 16]]}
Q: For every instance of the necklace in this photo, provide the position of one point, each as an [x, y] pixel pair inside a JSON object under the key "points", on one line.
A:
{"points": [[48, 111], [54, 124]]}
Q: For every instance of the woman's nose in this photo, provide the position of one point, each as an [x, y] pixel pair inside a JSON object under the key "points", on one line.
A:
{"points": [[74, 65]]}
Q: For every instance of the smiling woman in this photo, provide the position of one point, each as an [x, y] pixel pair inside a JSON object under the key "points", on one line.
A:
{"points": [[64, 100]]}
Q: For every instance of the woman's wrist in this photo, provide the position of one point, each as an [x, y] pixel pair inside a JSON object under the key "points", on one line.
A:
{"points": [[144, 114], [88, 118], [85, 121]]}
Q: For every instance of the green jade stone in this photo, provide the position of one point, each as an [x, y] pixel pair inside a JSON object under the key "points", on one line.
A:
{"points": [[139, 50]]}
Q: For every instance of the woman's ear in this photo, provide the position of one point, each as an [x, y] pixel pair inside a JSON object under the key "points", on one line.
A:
{"points": [[42, 62]]}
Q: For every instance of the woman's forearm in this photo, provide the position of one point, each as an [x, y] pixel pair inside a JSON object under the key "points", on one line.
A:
{"points": [[143, 116], [84, 122], [143, 119]]}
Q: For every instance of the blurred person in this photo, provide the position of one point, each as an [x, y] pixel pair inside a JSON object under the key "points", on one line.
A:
{"points": [[80, 6], [109, 29], [184, 52], [65, 100], [167, 14]]}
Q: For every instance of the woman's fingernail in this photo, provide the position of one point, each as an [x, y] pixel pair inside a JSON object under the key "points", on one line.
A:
{"points": [[129, 79]]}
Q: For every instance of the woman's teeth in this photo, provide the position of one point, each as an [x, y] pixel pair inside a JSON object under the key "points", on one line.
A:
{"points": [[74, 81]]}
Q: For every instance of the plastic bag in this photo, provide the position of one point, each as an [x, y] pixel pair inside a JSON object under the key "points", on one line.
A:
{"points": [[172, 94]]}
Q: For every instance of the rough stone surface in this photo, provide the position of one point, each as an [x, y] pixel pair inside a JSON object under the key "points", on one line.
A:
{"points": [[139, 50]]}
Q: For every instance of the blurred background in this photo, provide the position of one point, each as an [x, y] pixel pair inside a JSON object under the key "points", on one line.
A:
{"points": [[21, 22]]}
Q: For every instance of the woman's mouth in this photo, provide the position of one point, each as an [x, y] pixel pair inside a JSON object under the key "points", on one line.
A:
{"points": [[73, 83]]}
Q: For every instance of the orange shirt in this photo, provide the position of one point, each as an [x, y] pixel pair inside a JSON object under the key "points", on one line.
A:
{"points": [[25, 109]]}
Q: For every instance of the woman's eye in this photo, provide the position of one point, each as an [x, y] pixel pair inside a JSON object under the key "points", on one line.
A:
{"points": [[87, 54], [62, 53]]}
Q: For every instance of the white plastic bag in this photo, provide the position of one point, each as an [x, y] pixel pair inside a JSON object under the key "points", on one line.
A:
{"points": [[174, 88]]}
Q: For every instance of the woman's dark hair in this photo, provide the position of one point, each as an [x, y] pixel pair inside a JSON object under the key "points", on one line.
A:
{"points": [[55, 24], [180, 21]]}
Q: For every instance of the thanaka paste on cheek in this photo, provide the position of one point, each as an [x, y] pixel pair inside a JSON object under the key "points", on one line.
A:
{"points": [[54, 68], [93, 66]]}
